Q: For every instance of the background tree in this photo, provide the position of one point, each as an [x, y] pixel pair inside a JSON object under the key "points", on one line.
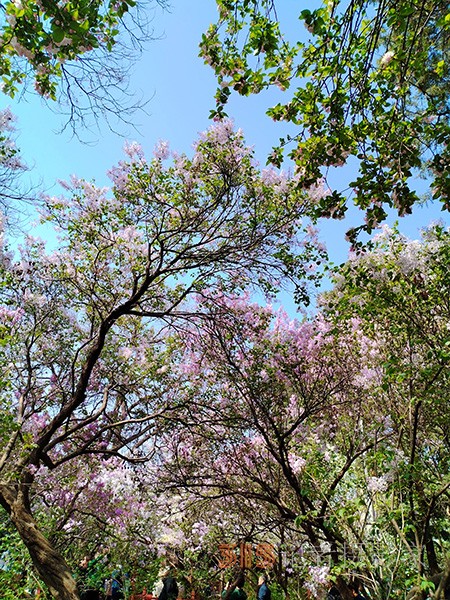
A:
{"points": [[100, 508], [371, 83], [400, 291], [85, 362], [272, 431]]}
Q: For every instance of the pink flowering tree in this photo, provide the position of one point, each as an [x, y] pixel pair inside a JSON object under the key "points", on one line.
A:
{"points": [[281, 417], [90, 321], [94, 503], [91, 507], [105, 510]]}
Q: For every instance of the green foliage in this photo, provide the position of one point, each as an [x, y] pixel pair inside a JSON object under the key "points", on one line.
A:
{"points": [[47, 34], [17, 576], [371, 82], [399, 291], [75, 52]]}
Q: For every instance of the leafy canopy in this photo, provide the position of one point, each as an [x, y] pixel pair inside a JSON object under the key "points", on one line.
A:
{"points": [[371, 83]]}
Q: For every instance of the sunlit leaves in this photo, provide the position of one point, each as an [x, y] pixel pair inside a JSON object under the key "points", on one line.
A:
{"points": [[371, 83]]}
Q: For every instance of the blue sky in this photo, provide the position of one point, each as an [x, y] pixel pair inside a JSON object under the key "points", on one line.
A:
{"points": [[180, 89]]}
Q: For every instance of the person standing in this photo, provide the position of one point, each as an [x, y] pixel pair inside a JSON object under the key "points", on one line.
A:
{"points": [[357, 591], [158, 585], [264, 592], [235, 589], [170, 588], [88, 578]]}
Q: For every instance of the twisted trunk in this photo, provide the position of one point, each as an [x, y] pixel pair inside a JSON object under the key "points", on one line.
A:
{"points": [[50, 565]]}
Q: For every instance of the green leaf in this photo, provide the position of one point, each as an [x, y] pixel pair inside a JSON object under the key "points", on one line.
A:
{"points": [[58, 34]]}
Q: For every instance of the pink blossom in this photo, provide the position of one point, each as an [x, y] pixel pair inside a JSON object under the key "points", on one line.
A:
{"points": [[377, 484], [318, 577], [161, 150], [297, 463]]}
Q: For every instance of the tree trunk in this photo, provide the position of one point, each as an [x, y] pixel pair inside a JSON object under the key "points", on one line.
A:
{"points": [[431, 556], [50, 565]]}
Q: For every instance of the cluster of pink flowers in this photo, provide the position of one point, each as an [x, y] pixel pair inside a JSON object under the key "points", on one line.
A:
{"points": [[162, 150], [318, 578], [10, 316], [297, 463], [377, 484]]}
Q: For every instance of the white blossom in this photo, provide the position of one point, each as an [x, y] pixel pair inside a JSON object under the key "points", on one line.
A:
{"points": [[386, 58]]}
